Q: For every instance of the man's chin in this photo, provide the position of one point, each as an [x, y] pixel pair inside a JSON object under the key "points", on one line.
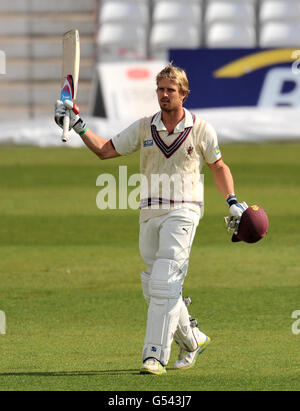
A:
{"points": [[165, 108]]}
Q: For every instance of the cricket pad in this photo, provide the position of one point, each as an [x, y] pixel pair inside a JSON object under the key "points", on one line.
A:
{"points": [[253, 226]]}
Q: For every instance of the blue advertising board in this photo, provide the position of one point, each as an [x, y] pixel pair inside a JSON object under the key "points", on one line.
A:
{"points": [[240, 77]]}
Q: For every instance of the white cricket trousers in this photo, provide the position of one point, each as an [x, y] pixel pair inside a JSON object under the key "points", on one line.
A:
{"points": [[165, 245]]}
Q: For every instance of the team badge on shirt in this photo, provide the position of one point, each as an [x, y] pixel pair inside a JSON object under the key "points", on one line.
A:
{"points": [[190, 150], [217, 150], [148, 143]]}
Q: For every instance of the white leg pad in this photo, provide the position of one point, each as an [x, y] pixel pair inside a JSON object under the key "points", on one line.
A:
{"points": [[186, 336], [145, 277], [164, 308]]}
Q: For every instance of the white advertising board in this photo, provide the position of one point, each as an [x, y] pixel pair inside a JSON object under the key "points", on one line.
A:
{"points": [[129, 89]]}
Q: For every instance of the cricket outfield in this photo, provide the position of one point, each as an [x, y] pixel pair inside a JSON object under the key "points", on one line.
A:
{"points": [[70, 278]]}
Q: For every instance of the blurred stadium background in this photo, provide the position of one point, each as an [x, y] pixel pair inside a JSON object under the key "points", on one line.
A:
{"points": [[131, 40]]}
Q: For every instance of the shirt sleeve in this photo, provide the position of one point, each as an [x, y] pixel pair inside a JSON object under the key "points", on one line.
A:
{"points": [[210, 145], [128, 140]]}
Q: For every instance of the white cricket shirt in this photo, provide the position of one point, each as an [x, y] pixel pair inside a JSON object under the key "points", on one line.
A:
{"points": [[180, 154]]}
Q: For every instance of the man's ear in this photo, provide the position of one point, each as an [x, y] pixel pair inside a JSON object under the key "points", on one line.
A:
{"points": [[185, 96]]}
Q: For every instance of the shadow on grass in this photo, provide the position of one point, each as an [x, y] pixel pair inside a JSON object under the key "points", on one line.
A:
{"points": [[68, 373]]}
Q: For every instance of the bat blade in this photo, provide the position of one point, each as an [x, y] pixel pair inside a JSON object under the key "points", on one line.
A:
{"points": [[70, 72]]}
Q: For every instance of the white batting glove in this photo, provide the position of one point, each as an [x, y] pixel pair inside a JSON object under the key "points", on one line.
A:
{"points": [[78, 125], [236, 209]]}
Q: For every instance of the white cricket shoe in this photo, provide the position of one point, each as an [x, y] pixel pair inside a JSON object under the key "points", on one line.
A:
{"points": [[189, 359], [152, 366]]}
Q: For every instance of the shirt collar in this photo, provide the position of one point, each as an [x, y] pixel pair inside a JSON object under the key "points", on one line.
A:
{"points": [[186, 122]]}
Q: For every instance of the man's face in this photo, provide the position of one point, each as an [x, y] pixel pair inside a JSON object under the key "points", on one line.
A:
{"points": [[169, 96]]}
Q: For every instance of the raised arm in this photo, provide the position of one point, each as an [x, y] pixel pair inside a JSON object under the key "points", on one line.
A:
{"points": [[102, 147]]}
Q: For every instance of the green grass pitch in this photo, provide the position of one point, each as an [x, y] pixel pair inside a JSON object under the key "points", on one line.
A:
{"points": [[70, 278]]}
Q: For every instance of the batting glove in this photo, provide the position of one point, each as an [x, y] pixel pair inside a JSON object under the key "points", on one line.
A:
{"points": [[78, 125], [236, 209]]}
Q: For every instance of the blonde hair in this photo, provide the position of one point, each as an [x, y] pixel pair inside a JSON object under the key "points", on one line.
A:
{"points": [[176, 74]]}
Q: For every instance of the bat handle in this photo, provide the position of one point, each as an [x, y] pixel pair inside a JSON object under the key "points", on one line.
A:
{"points": [[66, 125]]}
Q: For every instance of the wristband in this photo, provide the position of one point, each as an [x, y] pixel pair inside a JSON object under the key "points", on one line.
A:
{"points": [[80, 127], [83, 131], [231, 199]]}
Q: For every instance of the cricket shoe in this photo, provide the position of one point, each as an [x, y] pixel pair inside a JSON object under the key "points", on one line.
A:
{"points": [[152, 366], [189, 359]]}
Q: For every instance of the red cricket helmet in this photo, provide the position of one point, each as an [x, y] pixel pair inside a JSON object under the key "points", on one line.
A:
{"points": [[253, 226]]}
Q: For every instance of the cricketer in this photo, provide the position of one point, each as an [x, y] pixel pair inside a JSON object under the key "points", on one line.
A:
{"points": [[173, 142]]}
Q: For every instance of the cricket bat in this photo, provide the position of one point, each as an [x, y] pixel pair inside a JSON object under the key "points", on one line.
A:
{"points": [[70, 74]]}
